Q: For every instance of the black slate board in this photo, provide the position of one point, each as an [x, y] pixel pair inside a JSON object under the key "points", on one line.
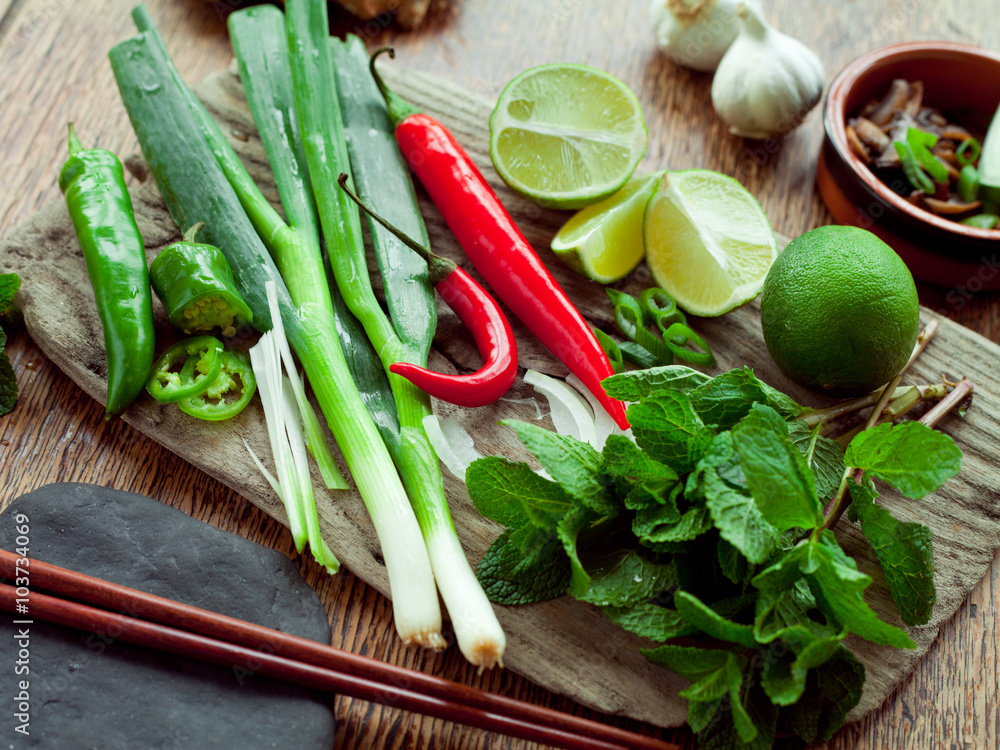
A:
{"points": [[88, 691]]}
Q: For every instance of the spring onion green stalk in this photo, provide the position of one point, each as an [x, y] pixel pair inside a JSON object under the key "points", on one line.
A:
{"points": [[281, 396], [182, 144], [989, 168], [477, 630]]}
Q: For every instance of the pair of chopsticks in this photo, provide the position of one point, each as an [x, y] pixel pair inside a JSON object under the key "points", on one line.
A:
{"points": [[166, 625]]}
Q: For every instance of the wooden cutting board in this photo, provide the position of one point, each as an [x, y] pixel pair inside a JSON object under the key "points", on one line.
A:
{"points": [[564, 645]]}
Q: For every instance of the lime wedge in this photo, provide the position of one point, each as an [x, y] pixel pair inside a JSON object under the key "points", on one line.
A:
{"points": [[565, 135], [604, 241], [708, 243]]}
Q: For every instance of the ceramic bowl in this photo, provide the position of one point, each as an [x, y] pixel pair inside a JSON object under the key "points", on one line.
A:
{"points": [[960, 80]]}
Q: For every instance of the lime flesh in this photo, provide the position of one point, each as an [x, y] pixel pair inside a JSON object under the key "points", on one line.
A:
{"points": [[604, 241], [566, 135], [708, 242]]}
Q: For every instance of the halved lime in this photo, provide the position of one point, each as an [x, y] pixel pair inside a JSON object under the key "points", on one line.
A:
{"points": [[604, 241], [708, 242], [566, 135]]}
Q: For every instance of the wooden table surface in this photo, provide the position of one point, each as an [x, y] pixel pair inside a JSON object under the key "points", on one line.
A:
{"points": [[53, 58]]}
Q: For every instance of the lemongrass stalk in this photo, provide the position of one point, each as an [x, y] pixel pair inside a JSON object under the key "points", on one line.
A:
{"points": [[479, 635], [182, 153]]}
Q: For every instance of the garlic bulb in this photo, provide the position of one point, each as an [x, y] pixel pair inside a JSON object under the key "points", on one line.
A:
{"points": [[767, 81], [695, 33]]}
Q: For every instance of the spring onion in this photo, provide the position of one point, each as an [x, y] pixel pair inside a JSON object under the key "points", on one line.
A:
{"points": [[912, 169], [188, 155], [921, 142], [989, 167], [452, 443], [478, 632]]}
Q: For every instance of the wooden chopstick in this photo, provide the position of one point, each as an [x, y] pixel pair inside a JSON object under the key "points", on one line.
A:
{"points": [[181, 629]]}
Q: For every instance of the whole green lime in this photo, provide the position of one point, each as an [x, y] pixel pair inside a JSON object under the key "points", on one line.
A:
{"points": [[839, 311]]}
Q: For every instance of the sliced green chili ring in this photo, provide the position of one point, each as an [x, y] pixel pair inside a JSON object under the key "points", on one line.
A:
{"points": [[703, 357], [652, 344], [982, 221], [638, 356], [185, 370], [920, 144], [660, 308], [911, 168], [213, 404], [610, 348], [965, 159], [968, 183]]}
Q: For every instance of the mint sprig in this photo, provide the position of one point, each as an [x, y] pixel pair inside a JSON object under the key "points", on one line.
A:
{"points": [[9, 284], [713, 524]]}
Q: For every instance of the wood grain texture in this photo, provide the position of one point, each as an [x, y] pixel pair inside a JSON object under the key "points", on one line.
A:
{"points": [[57, 432]]}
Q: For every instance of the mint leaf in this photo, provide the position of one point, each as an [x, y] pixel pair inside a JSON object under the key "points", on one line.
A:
{"points": [[732, 563], [511, 574], [9, 284], [623, 458], [512, 494], [784, 674], [694, 522], [832, 690], [625, 578], [650, 620], [668, 428], [575, 465], [726, 399], [784, 614], [826, 459], [727, 497], [639, 384], [710, 622], [742, 719], [905, 552], [691, 663], [654, 516], [839, 590], [776, 472], [726, 680], [8, 385], [836, 584], [656, 495], [568, 530], [911, 457]]}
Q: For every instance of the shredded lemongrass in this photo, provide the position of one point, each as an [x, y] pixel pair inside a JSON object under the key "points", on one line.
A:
{"points": [[452, 443], [282, 412], [604, 425], [570, 413]]}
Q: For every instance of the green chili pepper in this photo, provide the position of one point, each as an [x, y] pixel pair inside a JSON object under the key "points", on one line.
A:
{"points": [[968, 183], [920, 142], [660, 308], [982, 221], [966, 159], [638, 356], [610, 347], [911, 168], [185, 370], [630, 319], [195, 283], [101, 209], [228, 394], [678, 330]]}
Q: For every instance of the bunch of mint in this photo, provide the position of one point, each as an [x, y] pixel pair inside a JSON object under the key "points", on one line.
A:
{"points": [[9, 284], [711, 524]]}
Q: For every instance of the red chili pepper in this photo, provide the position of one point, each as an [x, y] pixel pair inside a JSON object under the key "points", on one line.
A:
{"points": [[496, 246], [478, 311]]}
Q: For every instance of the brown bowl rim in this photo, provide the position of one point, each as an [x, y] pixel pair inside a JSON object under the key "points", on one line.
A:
{"points": [[836, 128]]}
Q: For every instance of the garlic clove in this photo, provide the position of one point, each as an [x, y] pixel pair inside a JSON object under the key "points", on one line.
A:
{"points": [[695, 33], [767, 82]]}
